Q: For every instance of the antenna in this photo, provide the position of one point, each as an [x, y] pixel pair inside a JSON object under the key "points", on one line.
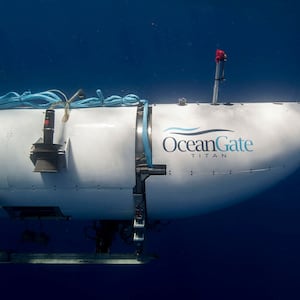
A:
{"points": [[221, 58]]}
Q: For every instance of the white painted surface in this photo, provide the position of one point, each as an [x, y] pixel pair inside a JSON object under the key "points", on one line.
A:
{"points": [[201, 181], [262, 140], [100, 170]]}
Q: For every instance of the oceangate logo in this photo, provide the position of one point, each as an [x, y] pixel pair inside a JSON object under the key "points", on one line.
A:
{"points": [[186, 140]]}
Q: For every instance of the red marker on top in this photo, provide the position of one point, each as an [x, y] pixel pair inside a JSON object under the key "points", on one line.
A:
{"points": [[220, 55]]}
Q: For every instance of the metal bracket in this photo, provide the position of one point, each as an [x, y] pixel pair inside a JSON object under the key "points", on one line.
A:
{"points": [[143, 171], [46, 156]]}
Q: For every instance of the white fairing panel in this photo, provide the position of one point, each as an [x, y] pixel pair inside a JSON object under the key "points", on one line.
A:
{"points": [[100, 158], [214, 155], [217, 155]]}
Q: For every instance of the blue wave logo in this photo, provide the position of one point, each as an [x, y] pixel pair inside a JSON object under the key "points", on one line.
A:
{"points": [[193, 131]]}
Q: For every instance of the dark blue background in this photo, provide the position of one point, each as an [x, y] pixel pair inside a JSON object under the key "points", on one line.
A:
{"points": [[164, 50]]}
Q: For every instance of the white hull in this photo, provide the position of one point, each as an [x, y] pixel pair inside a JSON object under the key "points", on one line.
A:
{"points": [[215, 155]]}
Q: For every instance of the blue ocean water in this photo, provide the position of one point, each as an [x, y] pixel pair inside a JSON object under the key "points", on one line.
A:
{"points": [[164, 50]]}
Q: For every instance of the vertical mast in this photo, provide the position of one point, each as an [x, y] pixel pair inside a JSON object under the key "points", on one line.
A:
{"points": [[221, 57]]}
